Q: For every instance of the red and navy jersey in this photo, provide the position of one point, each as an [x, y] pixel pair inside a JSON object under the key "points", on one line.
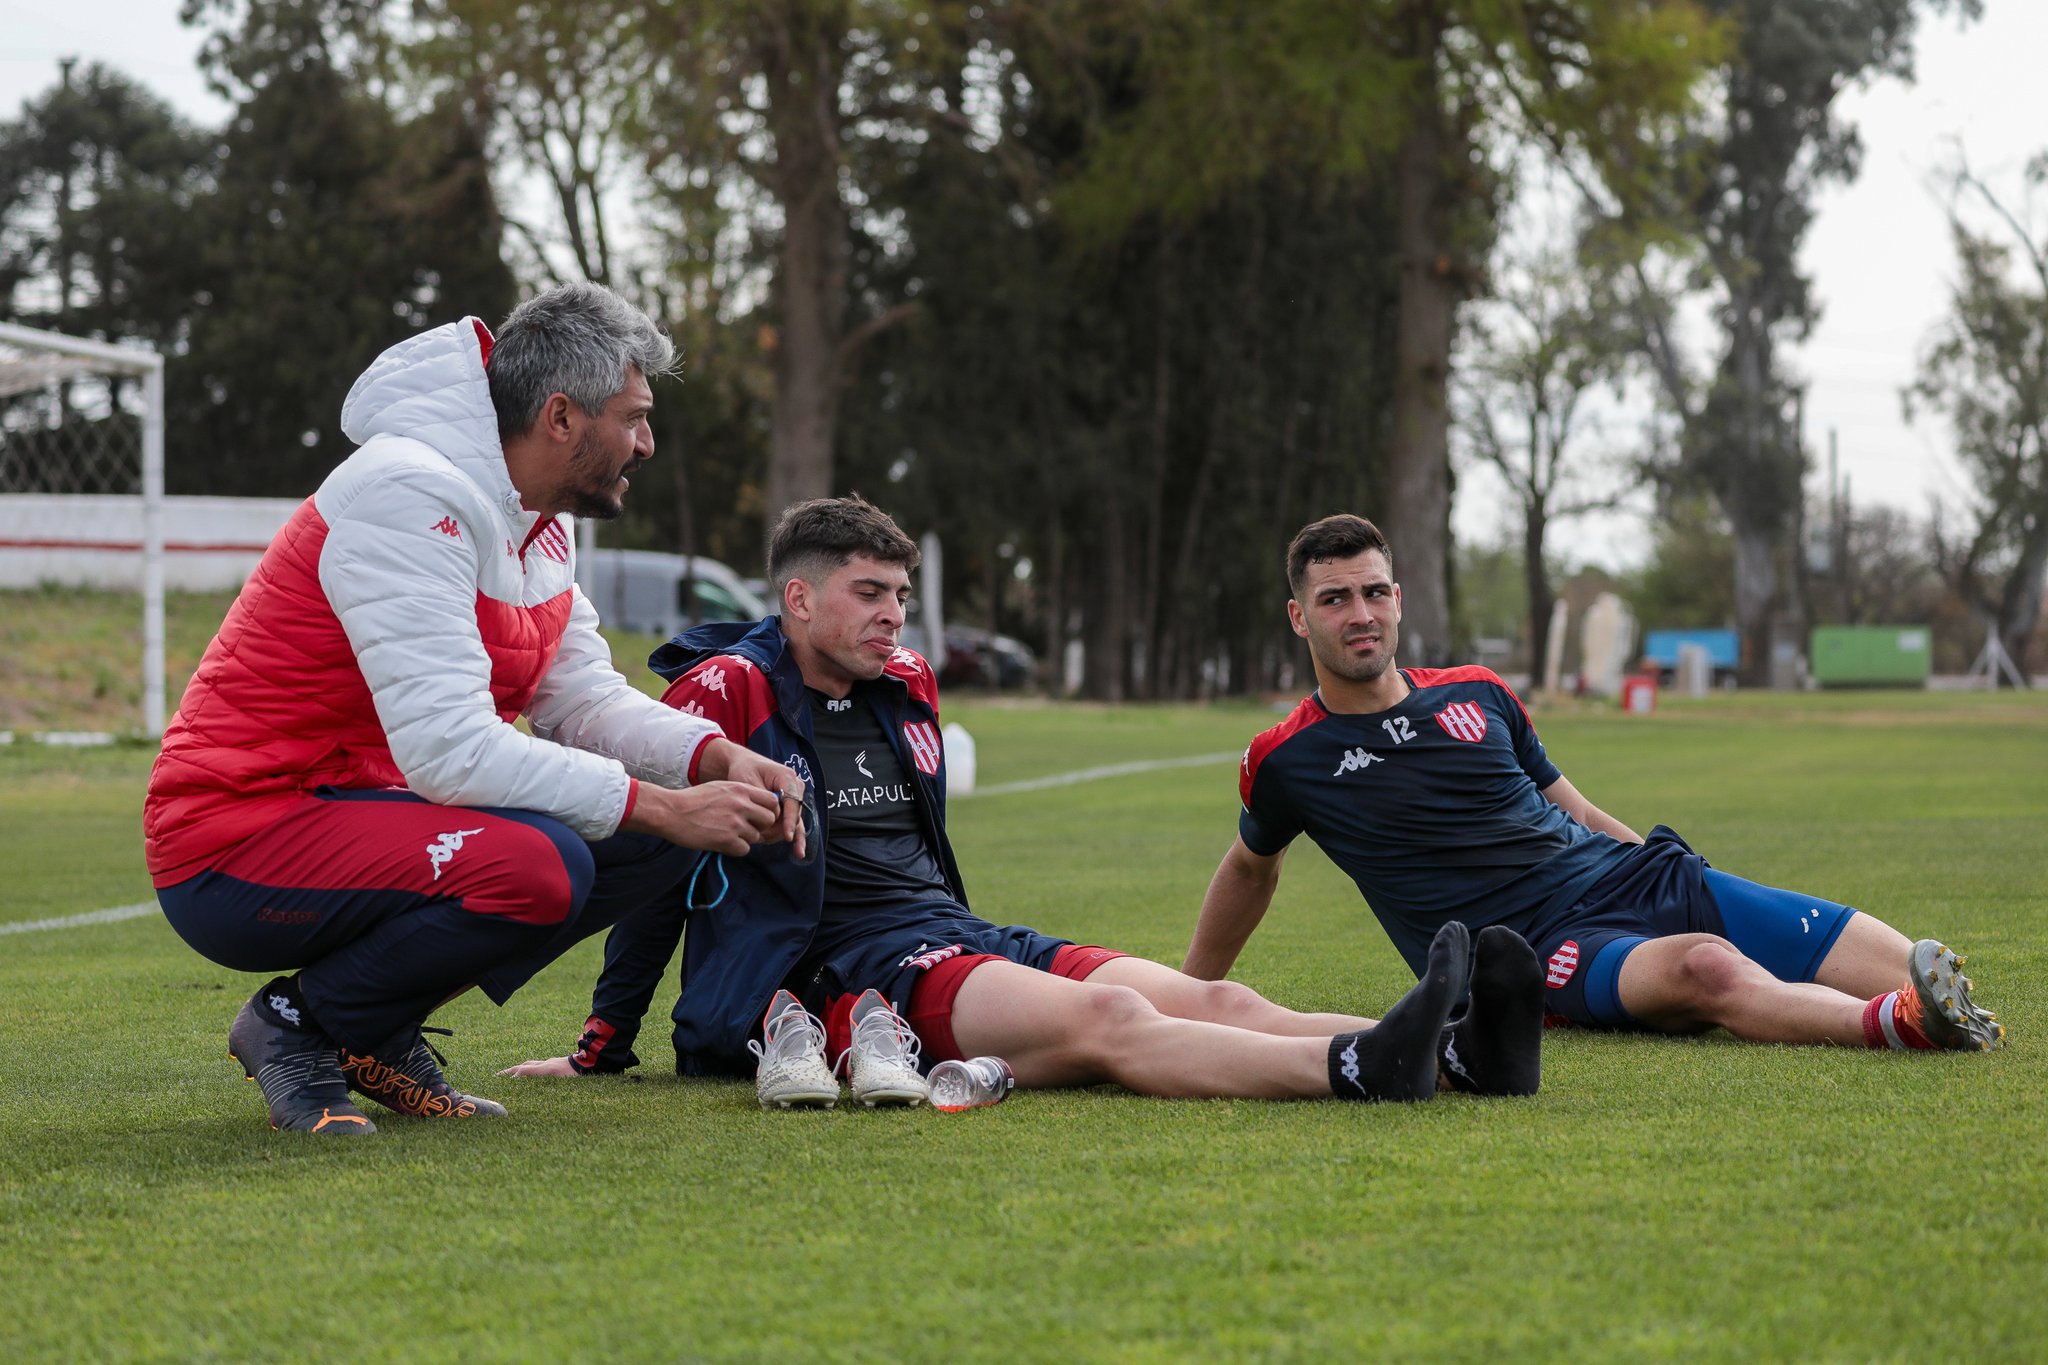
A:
{"points": [[1434, 807]]}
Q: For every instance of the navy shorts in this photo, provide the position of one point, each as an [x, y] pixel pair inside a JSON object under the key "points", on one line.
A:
{"points": [[1667, 889], [892, 959]]}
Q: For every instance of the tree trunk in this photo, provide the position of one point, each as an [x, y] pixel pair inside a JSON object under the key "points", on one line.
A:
{"points": [[2020, 605], [1536, 579], [1418, 512], [1756, 589], [801, 67]]}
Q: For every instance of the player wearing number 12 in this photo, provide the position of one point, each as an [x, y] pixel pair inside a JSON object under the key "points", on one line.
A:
{"points": [[1431, 790]]}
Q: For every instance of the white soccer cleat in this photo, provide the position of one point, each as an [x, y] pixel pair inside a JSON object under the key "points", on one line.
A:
{"points": [[792, 1069], [884, 1055]]}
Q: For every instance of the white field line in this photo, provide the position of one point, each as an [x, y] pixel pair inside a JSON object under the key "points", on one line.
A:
{"points": [[1149, 765], [1079, 775], [119, 912]]}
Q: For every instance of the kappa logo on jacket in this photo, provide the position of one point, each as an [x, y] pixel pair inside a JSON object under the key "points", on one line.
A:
{"points": [[712, 679], [447, 527], [905, 658]]}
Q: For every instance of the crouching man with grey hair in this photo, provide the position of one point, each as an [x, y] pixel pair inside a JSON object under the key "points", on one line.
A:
{"points": [[343, 796]]}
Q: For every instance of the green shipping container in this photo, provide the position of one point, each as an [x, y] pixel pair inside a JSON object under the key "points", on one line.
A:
{"points": [[1872, 656]]}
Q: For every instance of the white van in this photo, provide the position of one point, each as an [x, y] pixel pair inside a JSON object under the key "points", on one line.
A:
{"points": [[662, 594]]}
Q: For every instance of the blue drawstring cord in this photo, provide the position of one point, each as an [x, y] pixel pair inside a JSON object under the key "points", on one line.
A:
{"points": [[724, 882]]}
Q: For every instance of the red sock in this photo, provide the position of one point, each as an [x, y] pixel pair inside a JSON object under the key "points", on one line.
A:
{"points": [[1889, 1024]]}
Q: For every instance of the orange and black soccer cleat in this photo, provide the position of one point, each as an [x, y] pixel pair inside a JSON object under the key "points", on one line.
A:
{"points": [[299, 1071], [405, 1076]]}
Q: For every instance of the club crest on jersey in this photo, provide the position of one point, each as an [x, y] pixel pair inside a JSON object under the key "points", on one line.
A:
{"points": [[924, 745], [1563, 963], [1463, 720], [553, 542]]}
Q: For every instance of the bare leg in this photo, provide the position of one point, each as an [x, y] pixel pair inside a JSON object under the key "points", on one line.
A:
{"points": [[1688, 982], [1057, 1032], [1869, 958], [1219, 1002]]}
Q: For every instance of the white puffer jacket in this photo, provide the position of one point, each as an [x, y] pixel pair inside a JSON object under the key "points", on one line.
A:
{"points": [[408, 612]]}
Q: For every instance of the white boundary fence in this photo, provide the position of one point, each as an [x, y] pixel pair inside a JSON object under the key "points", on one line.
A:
{"points": [[149, 367]]}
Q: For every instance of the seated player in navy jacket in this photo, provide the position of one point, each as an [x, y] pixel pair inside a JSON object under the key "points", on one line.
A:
{"points": [[872, 944], [1430, 789]]}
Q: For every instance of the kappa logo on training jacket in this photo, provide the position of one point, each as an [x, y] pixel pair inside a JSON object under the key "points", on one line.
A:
{"points": [[1563, 963], [1463, 720], [924, 745], [447, 527]]}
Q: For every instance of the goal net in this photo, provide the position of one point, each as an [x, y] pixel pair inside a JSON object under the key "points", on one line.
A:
{"points": [[82, 474]]}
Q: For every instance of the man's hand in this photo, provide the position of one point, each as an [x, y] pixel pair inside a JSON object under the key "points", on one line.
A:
{"points": [[718, 817], [723, 760], [545, 1066]]}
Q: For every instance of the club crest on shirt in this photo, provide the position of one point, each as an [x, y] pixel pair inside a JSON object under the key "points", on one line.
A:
{"points": [[923, 737], [1463, 720]]}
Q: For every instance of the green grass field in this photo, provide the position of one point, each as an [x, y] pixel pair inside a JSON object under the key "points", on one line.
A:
{"points": [[1691, 1200]]}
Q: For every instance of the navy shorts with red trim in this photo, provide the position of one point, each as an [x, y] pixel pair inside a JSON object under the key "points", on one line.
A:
{"points": [[1667, 889], [919, 967]]}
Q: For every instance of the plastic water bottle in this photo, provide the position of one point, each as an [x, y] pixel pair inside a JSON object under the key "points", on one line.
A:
{"points": [[970, 1084]]}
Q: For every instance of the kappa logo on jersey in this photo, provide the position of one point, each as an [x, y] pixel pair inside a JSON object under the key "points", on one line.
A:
{"points": [[924, 745], [553, 542], [442, 851], [1356, 759], [1463, 720], [447, 527], [1563, 963], [712, 679], [922, 961], [690, 708], [908, 660]]}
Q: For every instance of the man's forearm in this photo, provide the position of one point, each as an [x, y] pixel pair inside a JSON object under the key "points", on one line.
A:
{"points": [[1231, 909]]}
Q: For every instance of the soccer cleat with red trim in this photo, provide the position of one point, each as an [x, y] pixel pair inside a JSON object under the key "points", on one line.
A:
{"points": [[1936, 1001], [405, 1077], [884, 1066], [299, 1072], [792, 1053]]}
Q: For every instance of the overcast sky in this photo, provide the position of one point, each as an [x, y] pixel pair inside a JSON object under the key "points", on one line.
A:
{"points": [[1879, 252]]}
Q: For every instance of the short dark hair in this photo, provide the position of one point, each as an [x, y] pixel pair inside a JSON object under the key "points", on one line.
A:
{"points": [[575, 339], [813, 538], [1338, 537]]}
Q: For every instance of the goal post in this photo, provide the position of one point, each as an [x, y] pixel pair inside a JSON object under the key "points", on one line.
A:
{"points": [[65, 428]]}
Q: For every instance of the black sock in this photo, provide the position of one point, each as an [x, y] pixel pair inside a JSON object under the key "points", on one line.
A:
{"points": [[1496, 1046], [283, 1004], [1396, 1059]]}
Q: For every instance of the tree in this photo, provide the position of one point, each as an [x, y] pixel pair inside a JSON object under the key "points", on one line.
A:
{"points": [[335, 226], [1768, 144], [750, 112], [98, 181], [1987, 370], [1552, 333], [1425, 91]]}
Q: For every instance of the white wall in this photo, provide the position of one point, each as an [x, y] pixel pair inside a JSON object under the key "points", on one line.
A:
{"points": [[82, 540]]}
